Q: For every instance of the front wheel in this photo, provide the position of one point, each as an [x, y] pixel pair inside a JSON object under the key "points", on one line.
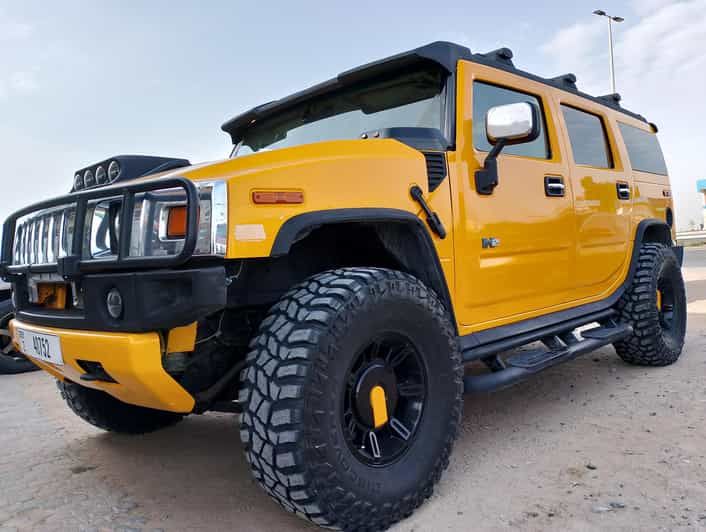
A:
{"points": [[655, 305], [352, 398], [108, 413]]}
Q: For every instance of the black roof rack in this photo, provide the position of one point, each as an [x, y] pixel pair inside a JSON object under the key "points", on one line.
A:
{"points": [[501, 55], [567, 81], [612, 99], [444, 54]]}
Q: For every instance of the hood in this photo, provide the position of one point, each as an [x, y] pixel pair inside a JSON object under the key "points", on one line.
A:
{"points": [[298, 156]]}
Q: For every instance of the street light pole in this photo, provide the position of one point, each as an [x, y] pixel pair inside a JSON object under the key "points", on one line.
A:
{"points": [[611, 19]]}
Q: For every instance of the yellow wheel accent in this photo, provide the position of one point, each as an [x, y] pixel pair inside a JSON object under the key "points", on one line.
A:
{"points": [[659, 300], [379, 406]]}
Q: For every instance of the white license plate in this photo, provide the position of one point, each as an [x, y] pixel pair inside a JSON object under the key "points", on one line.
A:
{"points": [[44, 347]]}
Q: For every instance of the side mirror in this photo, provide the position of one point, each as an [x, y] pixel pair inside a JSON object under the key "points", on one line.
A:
{"points": [[514, 123]]}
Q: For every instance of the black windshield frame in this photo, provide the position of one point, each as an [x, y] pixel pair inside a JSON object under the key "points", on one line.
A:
{"points": [[405, 87]]}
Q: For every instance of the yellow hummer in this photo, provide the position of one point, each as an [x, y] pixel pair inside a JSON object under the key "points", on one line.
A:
{"points": [[366, 241]]}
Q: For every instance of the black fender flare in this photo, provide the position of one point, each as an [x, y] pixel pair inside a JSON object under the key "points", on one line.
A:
{"points": [[299, 226], [651, 230]]}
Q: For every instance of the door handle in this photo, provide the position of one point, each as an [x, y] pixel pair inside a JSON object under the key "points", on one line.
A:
{"points": [[623, 190], [554, 186]]}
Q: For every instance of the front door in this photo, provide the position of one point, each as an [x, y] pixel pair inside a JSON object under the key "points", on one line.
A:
{"points": [[514, 248]]}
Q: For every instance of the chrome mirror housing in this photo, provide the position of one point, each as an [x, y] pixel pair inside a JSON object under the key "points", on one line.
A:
{"points": [[513, 123]]}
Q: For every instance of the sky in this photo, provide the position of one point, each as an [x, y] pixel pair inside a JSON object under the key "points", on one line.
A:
{"points": [[81, 81]]}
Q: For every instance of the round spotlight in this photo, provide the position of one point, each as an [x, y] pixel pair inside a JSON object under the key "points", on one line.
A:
{"points": [[101, 176], [78, 182], [114, 303], [88, 179], [113, 170]]}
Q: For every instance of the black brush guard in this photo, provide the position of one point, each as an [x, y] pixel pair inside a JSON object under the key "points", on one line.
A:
{"points": [[72, 266]]}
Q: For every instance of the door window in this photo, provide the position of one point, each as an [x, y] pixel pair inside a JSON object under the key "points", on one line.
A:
{"points": [[486, 96], [589, 142]]}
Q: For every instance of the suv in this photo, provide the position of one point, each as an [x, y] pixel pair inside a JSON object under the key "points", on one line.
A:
{"points": [[367, 239]]}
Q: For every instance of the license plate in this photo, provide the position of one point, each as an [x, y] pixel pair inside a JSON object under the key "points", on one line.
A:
{"points": [[44, 347]]}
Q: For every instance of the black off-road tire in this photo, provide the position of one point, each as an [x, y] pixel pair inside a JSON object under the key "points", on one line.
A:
{"points": [[291, 391], [15, 363], [11, 362], [652, 342], [108, 413]]}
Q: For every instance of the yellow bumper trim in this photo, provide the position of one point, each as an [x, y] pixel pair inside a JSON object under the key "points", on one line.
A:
{"points": [[134, 360]]}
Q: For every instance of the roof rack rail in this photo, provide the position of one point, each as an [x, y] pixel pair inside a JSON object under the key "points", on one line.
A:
{"points": [[611, 99], [501, 55], [567, 81]]}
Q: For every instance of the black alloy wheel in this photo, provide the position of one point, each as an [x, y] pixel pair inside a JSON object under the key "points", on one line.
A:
{"points": [[391, 365]]}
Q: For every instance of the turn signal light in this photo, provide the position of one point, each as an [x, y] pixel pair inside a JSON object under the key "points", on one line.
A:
{"points": [[271, 197], [176, 222]]}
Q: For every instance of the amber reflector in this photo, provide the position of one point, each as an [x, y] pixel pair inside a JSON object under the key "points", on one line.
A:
{"points": [[277, 196], [176, 222], [51, 295]]}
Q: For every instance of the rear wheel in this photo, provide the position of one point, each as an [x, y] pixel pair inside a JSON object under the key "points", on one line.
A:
{"points": [[352, 398], [11, 361], [655, 306], [108, 413]]}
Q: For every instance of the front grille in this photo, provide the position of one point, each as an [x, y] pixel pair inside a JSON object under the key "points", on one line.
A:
{"points": [[44, 236], [436, 169]]}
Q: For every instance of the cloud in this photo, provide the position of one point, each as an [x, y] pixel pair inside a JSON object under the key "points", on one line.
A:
{"points": [[670, 39], [660, 61], [12, 30], [579, 46], [15, 77], [24, 82], [646, 7]]}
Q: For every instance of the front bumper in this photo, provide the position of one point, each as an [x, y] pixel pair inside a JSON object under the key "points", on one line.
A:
{"points": [[133, 360], [153, 300]]}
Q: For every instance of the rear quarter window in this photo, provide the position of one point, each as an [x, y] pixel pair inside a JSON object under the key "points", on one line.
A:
{"points": [[643, 149], [589, 142]]}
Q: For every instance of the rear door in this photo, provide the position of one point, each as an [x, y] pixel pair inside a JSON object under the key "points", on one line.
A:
{"points": [[603, 195]]}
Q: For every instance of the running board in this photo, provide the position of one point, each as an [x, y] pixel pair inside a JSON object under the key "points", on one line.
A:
{"points": [[522, 365]]}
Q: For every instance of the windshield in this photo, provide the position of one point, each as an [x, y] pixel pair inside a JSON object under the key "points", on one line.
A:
{"points": [[409, 100]]}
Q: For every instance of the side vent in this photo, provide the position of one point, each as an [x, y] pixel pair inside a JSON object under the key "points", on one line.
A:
{"points": [[436, 169]]}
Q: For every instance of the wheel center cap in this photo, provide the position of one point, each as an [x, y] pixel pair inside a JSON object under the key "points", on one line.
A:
{"points": [[376, 395]]}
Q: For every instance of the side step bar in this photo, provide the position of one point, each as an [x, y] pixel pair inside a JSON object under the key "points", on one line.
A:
{"points": [[522, 365], [505, 344]]}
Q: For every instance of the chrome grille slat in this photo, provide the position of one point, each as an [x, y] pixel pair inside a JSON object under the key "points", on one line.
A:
{"points": [[62, 234], [41, 240], [25, 240], [51, 238], [33, 242]]}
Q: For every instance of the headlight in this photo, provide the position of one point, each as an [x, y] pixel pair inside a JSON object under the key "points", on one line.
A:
{"points": [[78, 182], [159, 223]]}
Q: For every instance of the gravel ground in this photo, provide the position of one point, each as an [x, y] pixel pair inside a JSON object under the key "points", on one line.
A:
{"points": [[590, 445]]}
